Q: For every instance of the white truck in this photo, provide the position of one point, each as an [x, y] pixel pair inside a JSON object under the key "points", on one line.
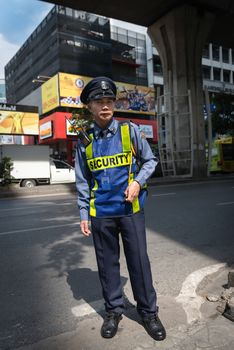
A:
{"points": [[33, 166]]}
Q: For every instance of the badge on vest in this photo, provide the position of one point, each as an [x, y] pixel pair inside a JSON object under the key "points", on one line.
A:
{"points": [[105, 181]]}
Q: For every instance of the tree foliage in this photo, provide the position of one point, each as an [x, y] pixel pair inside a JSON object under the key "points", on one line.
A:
{"points": [[6, 166], [222, 110]]}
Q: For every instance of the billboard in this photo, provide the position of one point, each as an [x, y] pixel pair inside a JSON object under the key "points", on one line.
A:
{"points": [[70, 87], [64, 90], [147, 130], [135, 99], [50, 94], [46, 130], [18, 119]]}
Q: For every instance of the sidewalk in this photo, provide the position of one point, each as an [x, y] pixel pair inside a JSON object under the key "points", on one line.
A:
{"points": [[212, 331]]}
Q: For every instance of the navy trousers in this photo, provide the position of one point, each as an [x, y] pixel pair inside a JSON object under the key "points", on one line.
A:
{"points": [[106, 233]]}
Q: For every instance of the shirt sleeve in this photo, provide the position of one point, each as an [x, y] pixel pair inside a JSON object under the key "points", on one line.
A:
{"points": [[83, 181], [144, 155]]}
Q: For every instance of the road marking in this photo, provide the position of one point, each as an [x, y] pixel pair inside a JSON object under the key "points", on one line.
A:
{"points": [[38, 195], [163, 194], [225, 203], [39, 228], [35, 206], [85, 308], [188, 297]]}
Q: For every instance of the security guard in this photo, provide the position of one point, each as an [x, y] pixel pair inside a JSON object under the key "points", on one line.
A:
{"points": [[112, 190]]}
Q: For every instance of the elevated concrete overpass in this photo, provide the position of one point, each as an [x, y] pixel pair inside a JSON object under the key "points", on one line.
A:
{"points": [[147, 12], [179, 29]]}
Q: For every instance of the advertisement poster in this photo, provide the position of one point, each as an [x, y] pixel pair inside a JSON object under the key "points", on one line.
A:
{"points": [[68, 129], [50, 94], [130, 98], [18, 120], [133, 98], [46, 130], [70, 87], [147, 130]]}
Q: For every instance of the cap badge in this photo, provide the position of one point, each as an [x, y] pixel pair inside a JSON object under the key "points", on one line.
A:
{"points": [[104, 85]]}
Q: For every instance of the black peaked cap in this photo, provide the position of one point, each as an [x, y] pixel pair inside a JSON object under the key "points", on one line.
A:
{"points": [[98, 88]]}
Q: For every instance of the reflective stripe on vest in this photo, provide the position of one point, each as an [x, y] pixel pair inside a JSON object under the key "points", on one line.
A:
{"points": [[89, 148], [135, 203], [92, 204]]}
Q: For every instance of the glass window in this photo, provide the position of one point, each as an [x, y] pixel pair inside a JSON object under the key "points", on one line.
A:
{"points": [[141, 45], [215, 52], [216, 74], [140, 36], [205, 52], [226, 76], [114, 29], [122, 38], [132, 41], [114, 36], [225, 55], [157, 65], [122, 31], [206, 72], [228, 151], [132, 34], [78, 44], [60, 164], [68, 11], [61, 9]]}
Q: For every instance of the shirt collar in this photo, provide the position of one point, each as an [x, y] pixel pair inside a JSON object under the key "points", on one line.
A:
{"points": [[112, 128]]}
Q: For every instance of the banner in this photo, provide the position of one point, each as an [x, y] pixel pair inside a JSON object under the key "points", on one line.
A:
{"points": [[147, 130], [70, 87], [130, 98], [135, 99], [18, 120], [50, 94], [46, 130]]}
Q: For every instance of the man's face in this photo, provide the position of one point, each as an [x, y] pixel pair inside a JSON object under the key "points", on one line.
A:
{"points": [[102, 110]]}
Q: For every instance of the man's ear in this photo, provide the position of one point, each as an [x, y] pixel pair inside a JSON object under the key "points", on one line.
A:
{"points": [[89, 106]]}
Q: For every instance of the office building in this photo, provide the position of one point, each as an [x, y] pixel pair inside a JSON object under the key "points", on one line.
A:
{"points": [[75, 42]]}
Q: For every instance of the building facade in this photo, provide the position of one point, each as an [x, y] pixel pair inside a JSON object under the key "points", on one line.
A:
{"points": [[2, 91], [217, 69], [75, 42]]}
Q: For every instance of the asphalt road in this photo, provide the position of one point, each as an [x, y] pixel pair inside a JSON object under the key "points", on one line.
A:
{"points": [[48, 268]]}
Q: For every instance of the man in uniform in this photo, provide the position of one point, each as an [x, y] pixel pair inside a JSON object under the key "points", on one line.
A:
{"points": [[111, 175]]}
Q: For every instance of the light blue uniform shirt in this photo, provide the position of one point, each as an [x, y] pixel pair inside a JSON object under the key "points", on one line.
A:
{"points": [[83, 175]]}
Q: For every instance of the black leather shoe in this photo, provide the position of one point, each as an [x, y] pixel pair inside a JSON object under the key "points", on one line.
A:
{"points": [[154, 327], [110, 324]]}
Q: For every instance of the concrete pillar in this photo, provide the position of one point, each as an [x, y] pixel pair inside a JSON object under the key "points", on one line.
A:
{"points": [[179, 37]]}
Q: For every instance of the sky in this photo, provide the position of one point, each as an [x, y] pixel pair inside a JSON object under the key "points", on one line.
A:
{"points": [[19, 18]]}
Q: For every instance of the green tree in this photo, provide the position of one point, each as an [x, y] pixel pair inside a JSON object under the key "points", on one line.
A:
{"points": [[222, 109], [6, 166]]}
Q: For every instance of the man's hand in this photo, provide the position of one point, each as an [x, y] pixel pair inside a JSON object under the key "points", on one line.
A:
{"points": [[132, 191], [84, 226]]}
